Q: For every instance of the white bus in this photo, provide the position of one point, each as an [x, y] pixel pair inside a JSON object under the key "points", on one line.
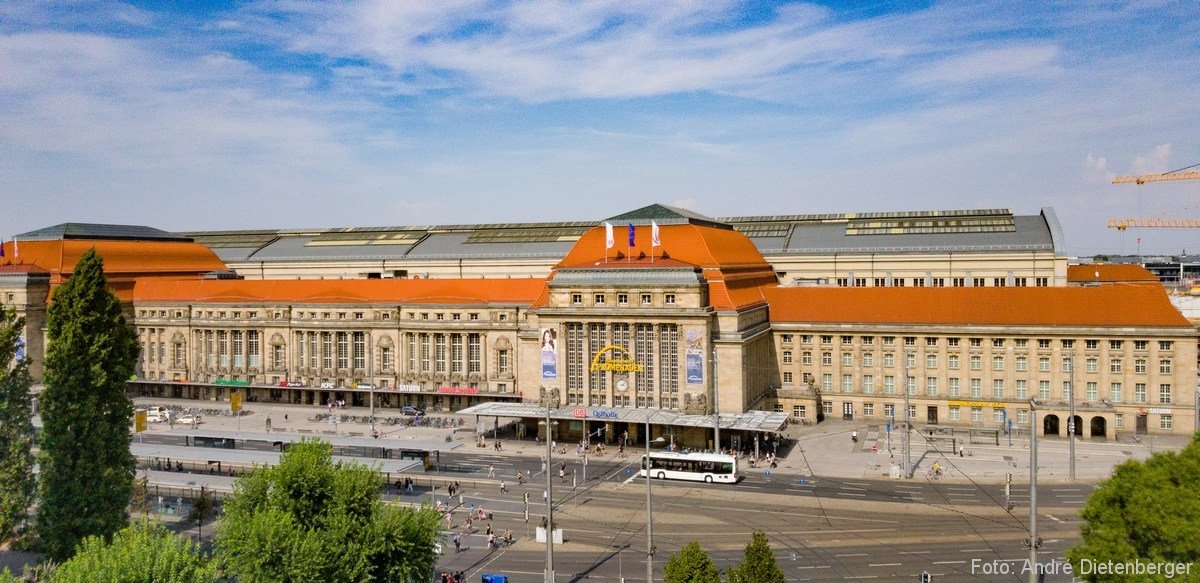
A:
{"points": [[698, 467]]}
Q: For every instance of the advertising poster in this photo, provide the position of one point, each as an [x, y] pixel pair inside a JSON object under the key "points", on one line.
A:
{"points": [[694, 340], [20, 349], [549, 354]]}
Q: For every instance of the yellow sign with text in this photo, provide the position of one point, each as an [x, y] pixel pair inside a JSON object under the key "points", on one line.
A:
{"points": [[139, 421], [992, 404], [235, 401], [625, 364]]}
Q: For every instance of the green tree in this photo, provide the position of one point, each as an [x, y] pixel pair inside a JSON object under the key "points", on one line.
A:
{"points": [[86, 469], [201, 510], [143, 552], [691, 564], [308, 519], [1147, 511], [16, 428], [758, 564]]}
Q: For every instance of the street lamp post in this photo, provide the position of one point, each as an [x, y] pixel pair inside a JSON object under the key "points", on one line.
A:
{"points": [[1033, 537], [716, 405], [1071, 419], [372, 409], [908, 469], [549, 503], [649, 507]]}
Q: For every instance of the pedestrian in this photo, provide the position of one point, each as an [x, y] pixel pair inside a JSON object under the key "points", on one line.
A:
{"points": [[491, 540], [285, 417], [562, 474], [503, 490], [520, 478], [457, 542], [491, 471], [409, 483], [960, 451], [545, 495]]}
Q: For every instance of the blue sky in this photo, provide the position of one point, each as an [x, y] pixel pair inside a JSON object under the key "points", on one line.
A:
{"points": [[210, 115]]}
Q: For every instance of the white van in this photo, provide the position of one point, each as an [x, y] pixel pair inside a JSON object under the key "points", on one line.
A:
{"points": [[157, 414]]}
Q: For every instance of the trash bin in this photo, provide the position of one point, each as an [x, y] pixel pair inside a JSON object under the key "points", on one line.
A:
{"points": [[494, 578], [895, 472]]}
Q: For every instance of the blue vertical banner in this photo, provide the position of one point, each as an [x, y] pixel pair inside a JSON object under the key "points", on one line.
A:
{"points": [[694, 358], [20, 349], [549, 354], [631, 235]]}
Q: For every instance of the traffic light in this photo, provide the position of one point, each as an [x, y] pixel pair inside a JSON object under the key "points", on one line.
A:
{"points": [[926, 577]]}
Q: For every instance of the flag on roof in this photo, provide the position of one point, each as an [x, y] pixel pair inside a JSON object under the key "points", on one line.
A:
{"points": [[609, 241], [654, 240], [631, 233]]}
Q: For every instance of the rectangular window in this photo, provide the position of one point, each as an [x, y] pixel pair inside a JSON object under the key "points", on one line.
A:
{"points": [[360, 351], [787, 377], [646, 299], [827, 383], [1022, 364], [868, 359], [1092, 391], [910, 360], [456, 354], [799, 411], [1165, 422], [1022, 389], [439, 353], [1022, 417], [785, 338], [827, 407], [1114, 344], [889, 410], [1164, 394], [976, 414], [1043, 390], [1164, 345], [952, 342], [931, 361], [598, 299], [223, 346], [426, 353], [827, 358], [1093, 365], [997, 343], [826, 339], [1114, 365], [1139, 392], [669, 299], [1164, 366], [1091, 344], [931, 386], [847, 359], [868, 383], [343, 351], [889, 340], [998, 363], [998, 388], [889, 384], [385, 359], [869, 409], [1141, 344], [474, 354], [1044, 364], [576, 299], [911, 384], [1139, 366], [952, 362], [868, 340], [252, 348], [976, 387], [889, 359], [847, 340], [787, 357], [954, 387], [806, 357], [955, 413], [1043, 343], [910, 340], [1114, 393], [847, 383], [976, 362], [1119, 420], [976, 342], [622, 299]]}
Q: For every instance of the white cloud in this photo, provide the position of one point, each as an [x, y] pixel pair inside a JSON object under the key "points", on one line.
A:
{"points": [[1156, 161], [989, 64]]}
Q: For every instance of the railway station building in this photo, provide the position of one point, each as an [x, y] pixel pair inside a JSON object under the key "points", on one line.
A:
{"points": [[668, 316]]}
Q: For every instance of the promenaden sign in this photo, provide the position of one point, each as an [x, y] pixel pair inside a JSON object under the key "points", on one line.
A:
{"points": [[625, 364]]}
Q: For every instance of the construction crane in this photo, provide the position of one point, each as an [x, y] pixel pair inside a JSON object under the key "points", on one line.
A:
{"points": [[1144, 178], [1123, 224]]}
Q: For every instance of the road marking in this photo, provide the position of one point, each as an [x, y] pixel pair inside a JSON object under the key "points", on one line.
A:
{"points": [[1055, 519], [863, 577], [853, 555], [975, 550], [856, 484], [884, 564], [852, 488], [814, 567], [949, 562], [851, 494], [915, 552]]}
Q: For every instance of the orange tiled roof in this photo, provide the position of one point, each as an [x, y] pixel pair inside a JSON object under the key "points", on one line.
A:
{"points": [[691, 244], [1109, 273], [337, 291], [731, 264], [1110, 305], [121, 258]]}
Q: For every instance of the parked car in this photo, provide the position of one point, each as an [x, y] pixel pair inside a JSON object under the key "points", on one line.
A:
{"points": [[406, 410], [190, 420], [157, 414]]}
